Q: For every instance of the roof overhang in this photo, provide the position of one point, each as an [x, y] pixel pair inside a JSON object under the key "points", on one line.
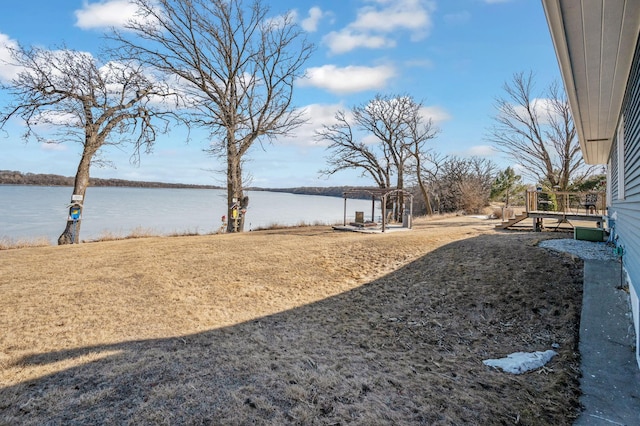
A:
{"points": [[594, 41]]}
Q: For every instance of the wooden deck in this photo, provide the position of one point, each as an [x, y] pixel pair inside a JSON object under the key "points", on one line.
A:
{"points": [[560, 208], [559, 218]]}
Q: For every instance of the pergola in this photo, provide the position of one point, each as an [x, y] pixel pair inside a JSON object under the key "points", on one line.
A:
{"points": [[382, 194]]}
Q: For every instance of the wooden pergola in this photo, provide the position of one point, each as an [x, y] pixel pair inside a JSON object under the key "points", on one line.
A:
{"points": [[382, 194]]}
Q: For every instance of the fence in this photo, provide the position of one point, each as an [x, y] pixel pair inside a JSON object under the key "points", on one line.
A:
{"points": [[572, 203]]}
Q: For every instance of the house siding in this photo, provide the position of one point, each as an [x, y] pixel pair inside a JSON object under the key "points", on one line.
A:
{"points": [[627, 211], [613, 173]]}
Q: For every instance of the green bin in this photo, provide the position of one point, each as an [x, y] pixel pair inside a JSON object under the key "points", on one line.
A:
{"points": [[588, 234]]}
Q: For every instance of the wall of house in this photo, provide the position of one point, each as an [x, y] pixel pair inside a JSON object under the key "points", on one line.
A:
{"points": [[625, 189]]}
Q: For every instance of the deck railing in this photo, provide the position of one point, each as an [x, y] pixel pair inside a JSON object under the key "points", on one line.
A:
{"points": [[587, 203]]}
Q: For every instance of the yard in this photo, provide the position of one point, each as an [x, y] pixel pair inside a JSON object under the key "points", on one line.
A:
{"points": [[295, 326]]}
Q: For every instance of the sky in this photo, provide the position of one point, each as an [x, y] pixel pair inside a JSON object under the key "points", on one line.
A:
{"points": [[454, 56]]}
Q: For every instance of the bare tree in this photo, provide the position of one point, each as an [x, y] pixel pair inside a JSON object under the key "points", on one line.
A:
{"points": [[460, 183], [539, 133], [236, 65], [349, 152], [429, 168], [420, 132], [400, 132], [68, 96]]}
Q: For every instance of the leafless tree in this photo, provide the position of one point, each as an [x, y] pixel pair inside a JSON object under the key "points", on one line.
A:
{"points": [[460, 183], [420, 132], [399, 132], [429, 169], [348, 151], [69, 96], [236, 65], [539, 133]]}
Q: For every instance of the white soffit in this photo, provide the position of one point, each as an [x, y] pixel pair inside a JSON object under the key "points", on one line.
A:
{"points": [[594, 41]]}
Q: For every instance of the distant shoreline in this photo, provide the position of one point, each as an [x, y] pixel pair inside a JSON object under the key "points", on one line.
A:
{"points": [[10, 177]]}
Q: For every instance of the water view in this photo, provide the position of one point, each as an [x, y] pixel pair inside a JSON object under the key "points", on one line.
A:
{"points": [[28, 212]]}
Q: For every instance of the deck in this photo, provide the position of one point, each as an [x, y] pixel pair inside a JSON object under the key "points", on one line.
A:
{"points": [[560, 208]]}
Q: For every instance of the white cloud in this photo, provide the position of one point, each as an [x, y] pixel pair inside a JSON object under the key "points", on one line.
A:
{"points": [[349, 79], [104, 14], [542, 107], [49, 119], [310, 23], [435, 113], [375, 23], [7, 71], [316, 115], [400, 14], [346, 40], [281, 21], [45, 59]]}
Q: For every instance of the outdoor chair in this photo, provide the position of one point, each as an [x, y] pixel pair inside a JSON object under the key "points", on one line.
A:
{"points": [[544, 202], [590, 202]]}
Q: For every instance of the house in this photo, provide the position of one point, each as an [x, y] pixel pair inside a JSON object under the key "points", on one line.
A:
{"points": [[596, 42]]}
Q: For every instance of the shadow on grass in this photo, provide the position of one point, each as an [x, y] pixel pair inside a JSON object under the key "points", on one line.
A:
{"points": [[404, 349]]}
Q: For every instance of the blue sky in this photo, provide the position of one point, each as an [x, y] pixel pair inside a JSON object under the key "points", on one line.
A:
{"points": [[453, 55]]}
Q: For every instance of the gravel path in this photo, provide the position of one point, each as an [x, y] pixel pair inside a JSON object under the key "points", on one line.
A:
{"points": [[586, 250]]}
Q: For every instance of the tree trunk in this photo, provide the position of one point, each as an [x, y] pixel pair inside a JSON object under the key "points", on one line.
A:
{"points": [[423, 188], [400, 195], [425, 195], [236, 200], [71, 233]]}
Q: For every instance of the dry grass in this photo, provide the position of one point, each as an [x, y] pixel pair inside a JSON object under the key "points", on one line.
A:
{"points": [[276, 226], [294, 326], [10, 243], [138, 232]]}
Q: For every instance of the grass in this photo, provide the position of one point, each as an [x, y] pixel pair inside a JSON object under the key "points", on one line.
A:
{"points": [[301, 224], [141, 232], [138, 232], [11, 243], [289, 326]]}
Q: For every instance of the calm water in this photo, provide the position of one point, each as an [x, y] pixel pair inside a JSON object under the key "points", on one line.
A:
{"points": [[39, 211]]}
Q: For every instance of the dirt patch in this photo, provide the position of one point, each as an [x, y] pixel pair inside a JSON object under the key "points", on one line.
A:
{"points": [[303, 326]]}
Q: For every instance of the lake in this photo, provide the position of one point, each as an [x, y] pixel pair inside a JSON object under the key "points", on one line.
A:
{"points": [[29, 212]]}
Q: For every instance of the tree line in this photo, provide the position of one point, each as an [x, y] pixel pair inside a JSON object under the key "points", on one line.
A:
{"points": [[10, 177]]}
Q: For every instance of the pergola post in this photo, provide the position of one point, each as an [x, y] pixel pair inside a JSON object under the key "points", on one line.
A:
{"points": [[344, 220], [373, 208], [384, 211]]}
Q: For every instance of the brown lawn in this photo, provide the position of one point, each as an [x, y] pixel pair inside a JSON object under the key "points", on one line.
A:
{"points": [[296, 326]]}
